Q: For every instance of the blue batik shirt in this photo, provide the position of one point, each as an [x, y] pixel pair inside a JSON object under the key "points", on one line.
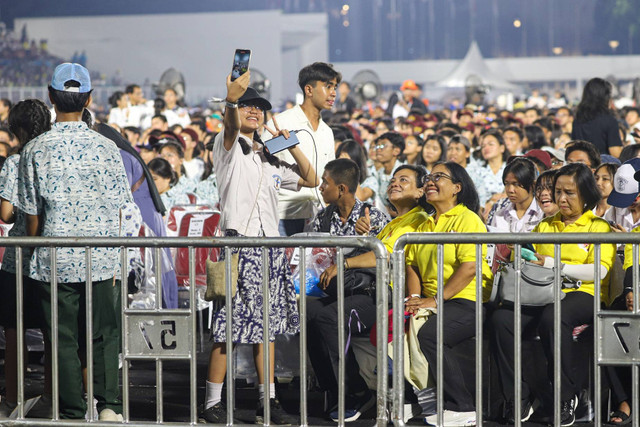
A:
{"points": [[8, 191], [74, 179]]}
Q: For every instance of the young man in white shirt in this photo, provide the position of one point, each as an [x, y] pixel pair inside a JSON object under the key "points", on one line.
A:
{"points": [[318, 82]]}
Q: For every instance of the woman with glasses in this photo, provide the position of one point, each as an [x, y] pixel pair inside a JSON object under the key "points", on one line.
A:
{"points": [[451, 192], [250, 179]]}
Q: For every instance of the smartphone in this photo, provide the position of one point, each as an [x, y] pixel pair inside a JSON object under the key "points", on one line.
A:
{"points": [[240, 63]]}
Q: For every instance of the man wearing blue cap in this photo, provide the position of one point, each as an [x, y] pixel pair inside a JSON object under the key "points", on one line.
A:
{"points": [[73, 183]]}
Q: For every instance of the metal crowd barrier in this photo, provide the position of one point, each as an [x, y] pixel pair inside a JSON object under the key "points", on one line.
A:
{"points": [[616, 334], [163, 334]]}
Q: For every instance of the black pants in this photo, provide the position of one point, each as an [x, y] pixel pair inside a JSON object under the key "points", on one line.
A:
{"points": [[576, 309], [322, 340], [459, 325]]}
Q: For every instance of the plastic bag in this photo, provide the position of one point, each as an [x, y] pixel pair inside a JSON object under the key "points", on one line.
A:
{"points": [[316, 264]]}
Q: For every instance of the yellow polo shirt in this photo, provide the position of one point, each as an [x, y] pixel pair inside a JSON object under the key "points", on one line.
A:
{"points": [[575, 254], [457, 220], [628, 252], [407, 223]]}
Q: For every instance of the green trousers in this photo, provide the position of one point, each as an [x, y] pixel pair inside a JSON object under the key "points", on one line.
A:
{"points": [[72, 343]]}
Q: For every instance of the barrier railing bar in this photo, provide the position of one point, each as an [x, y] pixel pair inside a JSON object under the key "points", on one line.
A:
{"points": [[440, 336], [517, 338], [123, 338], [557, 383], [19, 332], [382, 308], [303, 336], [341, 343], [229, 335], [193, 362], [597, 286], [266, 335], [635, 376], [88, 318], [479, 336], [399, 278], [55, 385], [159, 382]]}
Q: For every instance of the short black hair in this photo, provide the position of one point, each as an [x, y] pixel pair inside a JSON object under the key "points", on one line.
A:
{"points": [[161, 117], [200, 124], [535, 135], [468, 194], [356, 153], [6, 102], [514, 129], [442, 142], [524, 170], [421, 179], [130, 88], [585, 183], [133, 129], [394, 138], [569, 110], [114, 98], [163, 169], [546, 180], [587, 147], [175, 146], [317, 72], [344, 171], [69, 102], [6, 130]]}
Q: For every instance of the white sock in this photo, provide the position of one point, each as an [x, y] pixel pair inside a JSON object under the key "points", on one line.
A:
{"points": [[213, 394], [272, 391]]}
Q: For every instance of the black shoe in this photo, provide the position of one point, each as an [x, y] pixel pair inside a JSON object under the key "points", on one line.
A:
{"points": [[526, 409], [216, 414], [568, 412], [278, 416]]}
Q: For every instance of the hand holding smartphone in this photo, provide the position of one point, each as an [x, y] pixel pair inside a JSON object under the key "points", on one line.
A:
{"points": [[240, 63]]}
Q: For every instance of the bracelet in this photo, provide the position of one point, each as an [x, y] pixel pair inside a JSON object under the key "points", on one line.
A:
{"points": [[435, 299], [229, 104], [346, 264], [415, 296]]}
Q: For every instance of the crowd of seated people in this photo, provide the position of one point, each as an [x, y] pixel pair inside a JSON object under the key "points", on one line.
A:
{"points": [[458, 170]]}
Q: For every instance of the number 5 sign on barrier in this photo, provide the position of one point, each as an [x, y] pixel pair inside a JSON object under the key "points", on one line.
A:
{"points": [[159, 335]]}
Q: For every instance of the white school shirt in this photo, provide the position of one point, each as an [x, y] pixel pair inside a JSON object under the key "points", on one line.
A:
{"points": [[304, 203], [238, 178]]}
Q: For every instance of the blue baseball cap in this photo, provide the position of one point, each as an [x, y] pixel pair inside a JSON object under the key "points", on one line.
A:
{"points": [[67, 72], [625, 187]]}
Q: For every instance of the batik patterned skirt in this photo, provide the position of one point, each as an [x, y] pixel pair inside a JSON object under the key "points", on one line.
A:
{"points": [[248, 304]]}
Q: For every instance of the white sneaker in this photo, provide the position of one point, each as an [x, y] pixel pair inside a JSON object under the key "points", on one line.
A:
{"points": [[110, 415], [452, 418]]}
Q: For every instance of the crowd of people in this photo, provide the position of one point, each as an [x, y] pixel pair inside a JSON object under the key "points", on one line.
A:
{"points": [[379, 171]]}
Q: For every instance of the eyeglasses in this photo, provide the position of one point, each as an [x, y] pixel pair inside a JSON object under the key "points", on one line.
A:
{"points": [[380, 146], [251, 107], [435, 177]]}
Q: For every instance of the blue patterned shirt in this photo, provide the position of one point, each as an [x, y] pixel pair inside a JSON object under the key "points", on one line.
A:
{"points": [[377, 220], [8, 191], [74, 179], [208, 190]]}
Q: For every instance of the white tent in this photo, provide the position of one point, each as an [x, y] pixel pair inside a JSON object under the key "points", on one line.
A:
{"points": [[474, 65]]}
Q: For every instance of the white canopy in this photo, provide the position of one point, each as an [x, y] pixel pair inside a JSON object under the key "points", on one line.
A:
{"points": [[473, 64]]}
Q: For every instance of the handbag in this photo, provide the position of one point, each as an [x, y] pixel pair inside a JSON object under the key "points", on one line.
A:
{"points": [[356, 280], [216, 272], [216, 275], [536, 284]]}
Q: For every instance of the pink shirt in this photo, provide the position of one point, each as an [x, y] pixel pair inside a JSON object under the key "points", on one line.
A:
{"points": [[238, 178]]}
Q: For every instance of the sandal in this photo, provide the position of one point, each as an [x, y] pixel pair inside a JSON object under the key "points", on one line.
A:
{"points": [[626, 419]]}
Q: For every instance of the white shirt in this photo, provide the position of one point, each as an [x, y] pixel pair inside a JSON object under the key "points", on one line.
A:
{"points": [[177, 116], [304, 203], [505, 220], [140, 115], [244, 209], [118, 116], [622, 216]]}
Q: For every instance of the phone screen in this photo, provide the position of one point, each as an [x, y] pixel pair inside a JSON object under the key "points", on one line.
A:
{"points": [[240, 63]]}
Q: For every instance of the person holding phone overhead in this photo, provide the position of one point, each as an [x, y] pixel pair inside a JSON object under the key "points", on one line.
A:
{"points": [[249, 180], [318, 83]]}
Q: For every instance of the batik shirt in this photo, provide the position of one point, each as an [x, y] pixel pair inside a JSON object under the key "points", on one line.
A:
{"points": [[74, 179], [208, 190], [377, 221], [8, 191]]}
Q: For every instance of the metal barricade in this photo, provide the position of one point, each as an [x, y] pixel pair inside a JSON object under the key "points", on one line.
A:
{"points": [[163, 334], [616, 335]]}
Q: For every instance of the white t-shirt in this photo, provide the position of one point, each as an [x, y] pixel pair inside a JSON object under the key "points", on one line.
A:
{"points": [[305, 203]]}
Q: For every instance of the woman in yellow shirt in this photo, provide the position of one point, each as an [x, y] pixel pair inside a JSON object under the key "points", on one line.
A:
{"points": [[576, 194], [452, 193]]}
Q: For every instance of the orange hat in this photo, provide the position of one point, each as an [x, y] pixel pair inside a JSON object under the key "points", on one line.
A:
{"points": [[409, 84]]}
